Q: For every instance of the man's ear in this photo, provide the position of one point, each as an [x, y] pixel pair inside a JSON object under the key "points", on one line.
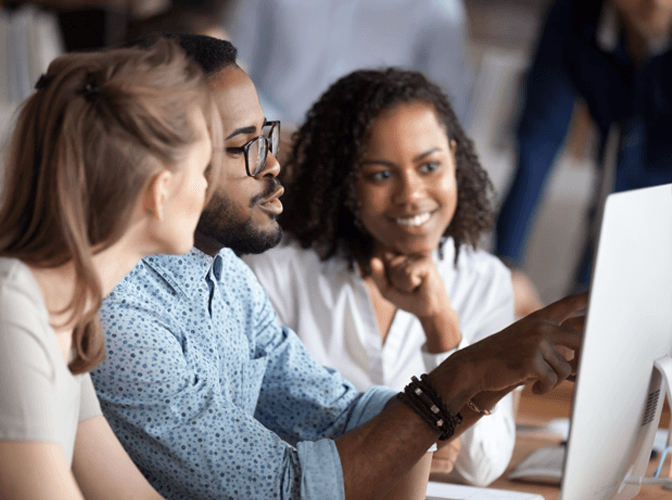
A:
{"points": [[157, 194]]}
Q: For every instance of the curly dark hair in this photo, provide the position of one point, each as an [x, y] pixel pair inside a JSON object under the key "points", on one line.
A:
{"points": [[320, 206]]}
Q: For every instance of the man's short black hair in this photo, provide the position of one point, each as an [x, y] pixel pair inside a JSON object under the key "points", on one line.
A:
{"points": [[211, 54]]}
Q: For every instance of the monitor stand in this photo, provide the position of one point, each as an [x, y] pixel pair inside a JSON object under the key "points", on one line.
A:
{"points": [[661, 376]]}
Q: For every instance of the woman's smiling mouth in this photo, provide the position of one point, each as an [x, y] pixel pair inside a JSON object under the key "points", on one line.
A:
{"points": [[414, 221]]}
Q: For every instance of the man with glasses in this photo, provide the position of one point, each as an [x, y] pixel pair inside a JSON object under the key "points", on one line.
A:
{"points": [[207, 393], [213, 399]]}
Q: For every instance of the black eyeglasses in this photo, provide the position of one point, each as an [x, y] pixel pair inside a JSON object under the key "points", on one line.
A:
{"points": [[256, 150]]}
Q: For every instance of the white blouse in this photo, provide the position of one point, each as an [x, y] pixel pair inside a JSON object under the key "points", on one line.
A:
{"points": [[329, 307]]}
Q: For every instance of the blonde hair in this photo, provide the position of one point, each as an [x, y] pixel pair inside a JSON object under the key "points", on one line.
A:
{"points": [[86, 144]]}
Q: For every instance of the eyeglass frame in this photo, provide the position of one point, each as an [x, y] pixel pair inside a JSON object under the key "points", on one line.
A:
{"points": [[245, 148]]}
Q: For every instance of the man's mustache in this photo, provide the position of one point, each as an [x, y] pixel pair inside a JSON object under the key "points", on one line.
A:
{"points": [[271, 185]]}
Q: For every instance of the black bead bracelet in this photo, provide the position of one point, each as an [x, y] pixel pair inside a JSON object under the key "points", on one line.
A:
{"points": [[424, 400]]}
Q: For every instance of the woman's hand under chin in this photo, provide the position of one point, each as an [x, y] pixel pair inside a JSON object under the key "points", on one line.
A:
{"points": [[413, 283], [445, 457]]}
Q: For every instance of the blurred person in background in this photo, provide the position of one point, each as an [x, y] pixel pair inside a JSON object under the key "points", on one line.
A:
{"points": [[108, 163], [294, 50], [617, 56], [200, 17], [95, 24]]}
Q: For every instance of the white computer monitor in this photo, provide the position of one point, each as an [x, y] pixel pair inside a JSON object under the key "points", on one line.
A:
{"points": [[619, 393]]}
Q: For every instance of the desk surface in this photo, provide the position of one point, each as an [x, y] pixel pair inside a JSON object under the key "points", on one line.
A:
{"points": [[539, 410]]}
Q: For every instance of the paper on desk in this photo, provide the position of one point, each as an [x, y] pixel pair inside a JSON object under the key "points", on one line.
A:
{"points": [[557, 427], [448, 491], [560, 427], [546, 463]]}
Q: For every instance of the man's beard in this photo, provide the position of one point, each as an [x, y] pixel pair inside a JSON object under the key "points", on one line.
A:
{"points": [[218, 222]]}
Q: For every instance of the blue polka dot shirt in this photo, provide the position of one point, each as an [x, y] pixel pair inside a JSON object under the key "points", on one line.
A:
{"points": [[210, 396]]}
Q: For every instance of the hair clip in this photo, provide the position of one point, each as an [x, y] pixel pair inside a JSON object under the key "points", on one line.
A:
{"points": [[91, 91], [44, 81]]}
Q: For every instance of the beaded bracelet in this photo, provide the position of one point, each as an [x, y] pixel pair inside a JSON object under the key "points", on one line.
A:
{"points": [[422, 398]]}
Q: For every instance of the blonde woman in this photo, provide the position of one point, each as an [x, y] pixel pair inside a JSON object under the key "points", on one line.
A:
{"points": [[108, 163]]}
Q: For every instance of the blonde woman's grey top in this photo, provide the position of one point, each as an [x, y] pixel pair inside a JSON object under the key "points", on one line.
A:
{"points": [[40, 400]]}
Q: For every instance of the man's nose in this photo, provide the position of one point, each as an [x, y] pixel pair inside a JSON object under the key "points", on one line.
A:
{"points": [[271, 167]]}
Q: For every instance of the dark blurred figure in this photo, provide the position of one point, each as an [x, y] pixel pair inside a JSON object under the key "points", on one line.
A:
{"points": [[90, 29], [94, 24], [617, 56], [197, 18]]}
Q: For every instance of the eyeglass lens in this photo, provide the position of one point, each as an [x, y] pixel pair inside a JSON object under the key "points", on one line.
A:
{"points": [[257, 156], [258, 151], [274, 136]]}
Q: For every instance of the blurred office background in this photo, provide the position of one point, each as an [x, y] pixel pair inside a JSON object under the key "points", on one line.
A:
{"points": [[501, 39]]}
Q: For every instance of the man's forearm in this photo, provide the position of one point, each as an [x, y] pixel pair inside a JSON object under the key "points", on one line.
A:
{"points": [[413, 485], [377, 454]]}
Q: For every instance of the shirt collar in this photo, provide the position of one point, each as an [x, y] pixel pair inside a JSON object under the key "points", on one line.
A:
{"points": [[609, 32], [180, 270]]}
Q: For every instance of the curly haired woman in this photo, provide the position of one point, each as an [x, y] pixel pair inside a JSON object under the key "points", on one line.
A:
{"points": [[379, 272]]}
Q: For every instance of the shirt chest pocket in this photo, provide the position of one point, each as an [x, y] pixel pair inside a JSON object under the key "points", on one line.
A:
{"points": [[252, 375]]}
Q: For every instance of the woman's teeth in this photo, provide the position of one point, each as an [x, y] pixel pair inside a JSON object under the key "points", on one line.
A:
{"points": [[416, 220]]}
